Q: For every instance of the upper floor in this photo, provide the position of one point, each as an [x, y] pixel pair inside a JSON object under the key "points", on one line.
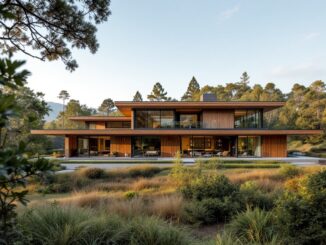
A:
{"points": [[184, 115]]}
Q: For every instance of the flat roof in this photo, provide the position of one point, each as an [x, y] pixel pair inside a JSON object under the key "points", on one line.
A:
{"points": [[125, 107], [198, 132], [99, 118]]}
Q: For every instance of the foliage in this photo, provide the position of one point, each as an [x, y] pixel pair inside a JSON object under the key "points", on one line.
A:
{"points": [[106, 106], [254, 226], [158, 93], [301, 214], [192, 90], [55, 225], [93, 173], [15, 167], [131, 194], [137, 96], [51, 28], [290, 171]]}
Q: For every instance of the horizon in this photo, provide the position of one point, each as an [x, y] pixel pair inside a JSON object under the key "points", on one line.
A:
{"points": [[169, 42]]}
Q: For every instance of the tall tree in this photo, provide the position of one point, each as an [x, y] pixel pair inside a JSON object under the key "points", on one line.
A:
{"points": [[192, 90], [242, 86], [158, 93], [63, 95], [107, 106], [253, 94], [51, 28], [137, 96]]}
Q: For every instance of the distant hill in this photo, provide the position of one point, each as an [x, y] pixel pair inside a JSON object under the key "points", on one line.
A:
{"points": [[56, 108]]}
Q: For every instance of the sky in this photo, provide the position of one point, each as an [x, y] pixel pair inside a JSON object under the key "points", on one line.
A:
{"points": [[169, 41]]}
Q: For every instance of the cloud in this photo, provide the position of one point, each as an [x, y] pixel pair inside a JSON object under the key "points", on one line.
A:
{"points": [[311, 35], [229, 13]]}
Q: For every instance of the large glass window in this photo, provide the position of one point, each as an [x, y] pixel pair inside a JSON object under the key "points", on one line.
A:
{"points": [[249, 146], [248, 119], [154, 119], [146, 146], [188, 120]]}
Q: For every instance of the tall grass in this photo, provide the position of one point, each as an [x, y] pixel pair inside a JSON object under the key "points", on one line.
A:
{"points": [[53, 225]]}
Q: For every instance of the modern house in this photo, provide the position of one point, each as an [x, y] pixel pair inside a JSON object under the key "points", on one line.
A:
{"points": [[195, 129]]}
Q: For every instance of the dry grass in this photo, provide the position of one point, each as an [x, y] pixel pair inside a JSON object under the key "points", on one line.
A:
{"points": [[246, 175], [167, 207]]}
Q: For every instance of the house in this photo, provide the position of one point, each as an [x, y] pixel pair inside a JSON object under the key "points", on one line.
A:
{"points": [[195, 129]]}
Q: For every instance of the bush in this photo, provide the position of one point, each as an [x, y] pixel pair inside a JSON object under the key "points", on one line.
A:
{"points": [[211, 186], [290, 171], [254, 226], [252, 196], [130, 194], [56, 225], [301, 215], [134, 172], [92, 173]]}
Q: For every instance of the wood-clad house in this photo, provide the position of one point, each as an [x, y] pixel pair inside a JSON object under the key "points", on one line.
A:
{"points": [[195, 129]]}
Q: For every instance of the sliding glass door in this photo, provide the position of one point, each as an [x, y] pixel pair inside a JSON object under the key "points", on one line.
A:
{"points": [[249, 146]]}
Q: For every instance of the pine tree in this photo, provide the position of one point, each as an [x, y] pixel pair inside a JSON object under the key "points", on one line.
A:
{"points": [[138, 97], [192, 90], [158, 93], [106, 106], [242, 86]]}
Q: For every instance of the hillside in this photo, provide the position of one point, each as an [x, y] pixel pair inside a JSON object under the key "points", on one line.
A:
{"points": [[56, 108]]}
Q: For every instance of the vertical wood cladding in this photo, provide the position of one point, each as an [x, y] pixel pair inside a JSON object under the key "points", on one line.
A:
{"points": [[170, 145], [218, 119], [100, 125], [274, 146], [70, 146], [121, 145]]}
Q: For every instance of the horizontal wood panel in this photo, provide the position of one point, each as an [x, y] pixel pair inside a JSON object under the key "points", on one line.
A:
{"points": [[175, 132], [274, 146]]}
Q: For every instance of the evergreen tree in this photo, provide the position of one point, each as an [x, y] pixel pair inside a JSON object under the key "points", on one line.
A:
{"points": [[64, 95], [138, 97], [253, 94], [107, 106], [158, 93], [242, 86], [192, 90]]}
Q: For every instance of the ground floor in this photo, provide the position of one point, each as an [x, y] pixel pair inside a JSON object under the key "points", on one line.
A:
{"points": [[169, 145]]}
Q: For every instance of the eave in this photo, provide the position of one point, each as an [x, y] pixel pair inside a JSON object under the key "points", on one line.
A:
{"points": [[99, 118], [133, 132]]}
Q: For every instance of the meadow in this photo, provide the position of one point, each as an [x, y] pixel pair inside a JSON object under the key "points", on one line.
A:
{"points": [[202, 204]]}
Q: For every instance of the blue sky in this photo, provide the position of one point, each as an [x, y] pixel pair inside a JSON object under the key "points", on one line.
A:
{"points": [[143, 42]]}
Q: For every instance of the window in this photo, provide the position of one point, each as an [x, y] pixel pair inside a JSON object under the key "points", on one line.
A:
{"points": [[118, 124], [146, 146], [188, 120], [154, 119], [248, 119], [249, 146], [92, 125]]}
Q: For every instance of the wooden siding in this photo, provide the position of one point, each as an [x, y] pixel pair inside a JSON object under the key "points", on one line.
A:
{"points": [[70, 146], [274, 146], [99, 125], [121, 145], [140, 132], [170, 145], [218, 119]]}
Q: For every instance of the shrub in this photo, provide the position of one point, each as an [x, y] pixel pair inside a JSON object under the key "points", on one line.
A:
{"points": [[290, 171], [130, 194], [211, 186], [56, 225], [145, 171], [92, 173], [183, 175], [252, 196], [301, 215], [253, 226]]}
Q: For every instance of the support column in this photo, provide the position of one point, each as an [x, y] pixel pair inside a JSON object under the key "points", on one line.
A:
{"points": [[70, 145]]}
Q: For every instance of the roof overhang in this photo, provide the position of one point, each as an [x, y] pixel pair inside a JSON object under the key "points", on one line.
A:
{"points": [[99, 118], [131, 132], [125, 107]]}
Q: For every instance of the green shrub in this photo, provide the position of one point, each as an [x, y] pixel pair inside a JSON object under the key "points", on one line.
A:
{"points": [[51, 225], [301, 215], [254, 226], [130, 194], [290, 171], [252, 196], [210, 211], [210, 186]]}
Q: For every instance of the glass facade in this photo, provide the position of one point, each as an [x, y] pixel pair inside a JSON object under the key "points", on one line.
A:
{"points": [[249, 146], [146, 146], [248, 119], [188, 120], [154, 119]]}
